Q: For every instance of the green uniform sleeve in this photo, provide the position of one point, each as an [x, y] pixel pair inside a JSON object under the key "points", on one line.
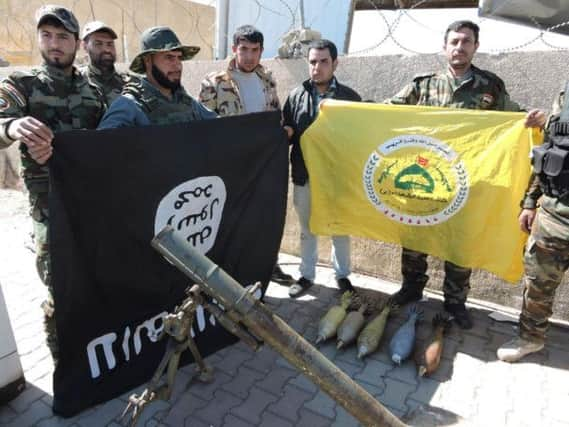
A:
{"points": [[13, 105], [533, 193], [504, 103], [509, 105], [406, 96]]}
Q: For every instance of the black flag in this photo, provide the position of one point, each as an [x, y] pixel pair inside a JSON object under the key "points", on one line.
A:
{"points": [[221, 183]]}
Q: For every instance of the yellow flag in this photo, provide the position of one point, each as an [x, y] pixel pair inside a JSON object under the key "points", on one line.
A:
{"points": [[447, 182]]}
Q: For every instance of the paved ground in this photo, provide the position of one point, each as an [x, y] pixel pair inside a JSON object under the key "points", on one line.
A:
{"points": [[261, 389]]}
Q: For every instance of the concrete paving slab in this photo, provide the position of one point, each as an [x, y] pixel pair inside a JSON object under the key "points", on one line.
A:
{"points": [[262, 389]]}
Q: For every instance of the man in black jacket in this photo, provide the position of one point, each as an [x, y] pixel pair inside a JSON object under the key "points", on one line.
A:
{"points": [[300, 110]]}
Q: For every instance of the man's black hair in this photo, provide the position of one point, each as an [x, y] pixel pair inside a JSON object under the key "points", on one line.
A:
{"points": [[324, 44], [248, 33], [459, 25]]}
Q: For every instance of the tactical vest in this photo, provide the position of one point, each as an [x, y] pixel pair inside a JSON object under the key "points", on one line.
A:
{"points": [[551, 159], [110, 85], [158, 109]]}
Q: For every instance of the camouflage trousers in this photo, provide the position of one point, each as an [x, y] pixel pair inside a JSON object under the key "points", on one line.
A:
{"points": [[40, 217], [414, 270], [546, 259]]}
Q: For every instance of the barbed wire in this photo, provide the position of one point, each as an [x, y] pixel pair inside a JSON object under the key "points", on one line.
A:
{"points": [[292, 14], [392, 37], [388, 32], [325, 7]]}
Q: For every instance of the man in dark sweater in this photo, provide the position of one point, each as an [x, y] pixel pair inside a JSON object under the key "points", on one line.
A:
{"points": [[300, 110]]}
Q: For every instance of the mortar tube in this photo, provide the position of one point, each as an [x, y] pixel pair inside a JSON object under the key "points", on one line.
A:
{"points": [[274, 331]]}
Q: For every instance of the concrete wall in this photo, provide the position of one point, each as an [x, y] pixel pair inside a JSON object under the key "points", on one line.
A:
{"points": [[533, 79]]}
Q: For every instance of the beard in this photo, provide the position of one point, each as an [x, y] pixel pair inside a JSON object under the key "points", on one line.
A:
{"points": [[104, 63], [163, 80], [61, 63]]}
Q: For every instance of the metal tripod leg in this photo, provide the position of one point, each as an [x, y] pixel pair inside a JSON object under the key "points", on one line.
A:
{"points": [[179, 327]]}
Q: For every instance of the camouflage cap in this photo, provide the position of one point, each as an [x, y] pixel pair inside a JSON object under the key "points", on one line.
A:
{"points": [[63, 15], [160, 39], [96, 26]]}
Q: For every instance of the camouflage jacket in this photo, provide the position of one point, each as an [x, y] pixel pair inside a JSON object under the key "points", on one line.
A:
{"points": [[110, 84], [483, 90], [557, 208], [61, 102], [220, 92]]}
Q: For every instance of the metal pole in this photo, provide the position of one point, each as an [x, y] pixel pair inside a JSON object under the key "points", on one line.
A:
{"points": [[273, 330], [221, 23], [124, 40]]}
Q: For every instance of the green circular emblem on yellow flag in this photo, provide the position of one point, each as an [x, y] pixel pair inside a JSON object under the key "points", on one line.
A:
{"points": [[416, 180]]}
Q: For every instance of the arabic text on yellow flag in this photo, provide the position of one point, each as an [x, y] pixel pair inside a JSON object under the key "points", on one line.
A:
{"points": [[446, 182]]}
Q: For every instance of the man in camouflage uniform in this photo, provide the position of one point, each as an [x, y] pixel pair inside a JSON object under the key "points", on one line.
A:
{"points": [[546, 260], [158, 98], [462, 85], [236, 90], [34, 106], [99, 43], [244, 87]]}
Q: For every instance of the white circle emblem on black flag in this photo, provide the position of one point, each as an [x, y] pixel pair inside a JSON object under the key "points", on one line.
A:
{"points": [[194, 209]]}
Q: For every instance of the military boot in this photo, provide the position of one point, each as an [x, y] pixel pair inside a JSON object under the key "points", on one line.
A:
{"points": [[514, 350], [406, 295], [460, 314]]}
